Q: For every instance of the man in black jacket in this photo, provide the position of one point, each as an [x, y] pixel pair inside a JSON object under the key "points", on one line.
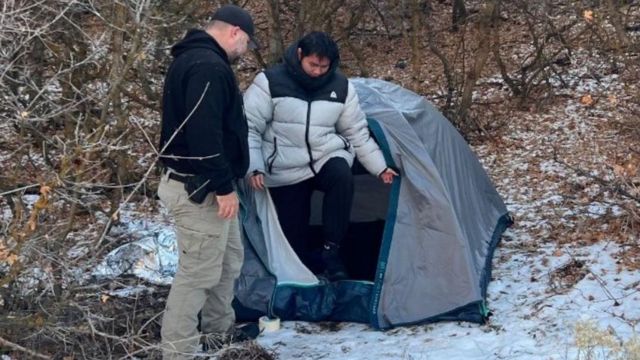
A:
{"points": [[203, 151]]}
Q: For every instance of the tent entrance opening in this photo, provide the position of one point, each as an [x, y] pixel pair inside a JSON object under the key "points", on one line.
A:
{"points": [[361, 246]]}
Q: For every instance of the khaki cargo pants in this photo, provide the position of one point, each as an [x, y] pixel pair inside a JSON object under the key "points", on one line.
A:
{"points": [[210, 258]]}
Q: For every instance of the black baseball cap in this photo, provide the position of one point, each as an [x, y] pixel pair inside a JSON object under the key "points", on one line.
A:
{"points": [[237, 16]]}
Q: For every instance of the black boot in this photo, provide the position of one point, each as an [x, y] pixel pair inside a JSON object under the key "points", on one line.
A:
{"points": [[334, 268], [245, 332]]}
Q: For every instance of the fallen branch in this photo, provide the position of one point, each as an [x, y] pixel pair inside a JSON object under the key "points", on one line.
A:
{"points": [[606, 183], [19, 189], [603, 285], [93, 331], [9, 344]]}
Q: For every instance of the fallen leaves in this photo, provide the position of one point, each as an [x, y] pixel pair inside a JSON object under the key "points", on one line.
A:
{"points": [[587, 15], [619, 170], [7, 256], [587, 100], [41, 204]]}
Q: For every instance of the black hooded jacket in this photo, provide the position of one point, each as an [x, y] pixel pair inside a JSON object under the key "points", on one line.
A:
{"points": [[291, 65], [201, 87]]}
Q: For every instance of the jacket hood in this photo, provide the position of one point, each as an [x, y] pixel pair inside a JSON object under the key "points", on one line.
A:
{"points": [[294, 67], [198, 39]]}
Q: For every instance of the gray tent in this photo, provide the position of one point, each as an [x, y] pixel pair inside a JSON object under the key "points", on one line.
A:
{"points": [[417, 251]]}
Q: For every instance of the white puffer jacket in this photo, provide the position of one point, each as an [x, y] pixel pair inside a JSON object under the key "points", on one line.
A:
{"points": [[293, 133]]}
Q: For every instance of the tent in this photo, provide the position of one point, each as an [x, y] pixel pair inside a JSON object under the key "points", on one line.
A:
{"points": [[417, 251]]}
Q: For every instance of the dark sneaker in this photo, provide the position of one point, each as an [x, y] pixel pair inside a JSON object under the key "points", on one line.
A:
{"points": [[245, 332], [334, 268]]}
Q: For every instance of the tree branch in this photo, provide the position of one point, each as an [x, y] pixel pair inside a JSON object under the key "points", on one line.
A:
{"points": [[608, 184], [9, 344]]}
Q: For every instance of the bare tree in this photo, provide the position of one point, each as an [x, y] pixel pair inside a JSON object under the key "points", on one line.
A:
{"points": [[337, 17], [79, 83], [276, 41], [458, 14], [484, 34]]}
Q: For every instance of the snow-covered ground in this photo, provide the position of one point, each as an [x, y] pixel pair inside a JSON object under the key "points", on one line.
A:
{"points": [[534, 315], [539, 295]]}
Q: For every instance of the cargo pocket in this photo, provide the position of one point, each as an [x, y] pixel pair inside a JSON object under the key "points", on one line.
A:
{"points": [[200, 251], [169, 194]]}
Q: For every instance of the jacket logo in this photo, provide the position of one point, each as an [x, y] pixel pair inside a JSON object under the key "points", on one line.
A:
{"points": [[333, 95]]}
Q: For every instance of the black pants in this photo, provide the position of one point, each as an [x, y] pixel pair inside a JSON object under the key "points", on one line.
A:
{"points": [[293, 205]]}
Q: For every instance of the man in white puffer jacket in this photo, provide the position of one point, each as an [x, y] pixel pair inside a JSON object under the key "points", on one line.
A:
{"points": [[305, 128]]}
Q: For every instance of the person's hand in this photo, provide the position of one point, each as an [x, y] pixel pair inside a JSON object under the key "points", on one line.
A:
{"points": [[228, 205], [257, 181], [387, 175]]}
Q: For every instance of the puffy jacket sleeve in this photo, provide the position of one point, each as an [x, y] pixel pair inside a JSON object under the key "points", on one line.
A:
{"points": [[259, 112], [352, 124]]}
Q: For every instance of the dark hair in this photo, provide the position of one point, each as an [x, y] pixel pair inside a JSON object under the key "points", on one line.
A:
{"points": [[319, 43]]}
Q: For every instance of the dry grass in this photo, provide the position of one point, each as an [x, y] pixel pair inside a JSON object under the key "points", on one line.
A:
{"points": [[594, 343]]}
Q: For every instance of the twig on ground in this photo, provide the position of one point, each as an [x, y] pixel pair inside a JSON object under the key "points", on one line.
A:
{"points": [[9, 344], [149, 322], [19, 189], [608, 184], [603, 285]]}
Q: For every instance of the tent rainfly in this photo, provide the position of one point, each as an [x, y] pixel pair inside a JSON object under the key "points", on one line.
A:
{"points": [[417, 251]]}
